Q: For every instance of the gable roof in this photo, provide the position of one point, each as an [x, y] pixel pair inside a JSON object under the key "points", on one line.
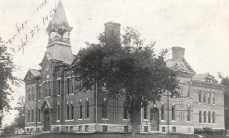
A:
{"points": [[205, 77], [32, 74], [180, 65]]}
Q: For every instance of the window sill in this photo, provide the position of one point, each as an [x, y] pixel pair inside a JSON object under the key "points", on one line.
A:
{"points": [[57, 120], [80, 119], [105, 118], [173, 120], [69, 120], [163, 121]]}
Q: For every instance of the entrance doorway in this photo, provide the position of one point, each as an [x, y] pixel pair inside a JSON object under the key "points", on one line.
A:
{"points": [[46, 120], [154, 119]]}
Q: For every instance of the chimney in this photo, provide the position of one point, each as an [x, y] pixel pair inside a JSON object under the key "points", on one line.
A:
{"points": [[112, 33], [178, 52]]}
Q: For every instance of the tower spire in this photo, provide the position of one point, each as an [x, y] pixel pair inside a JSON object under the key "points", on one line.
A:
{"points": [[59, 22]]}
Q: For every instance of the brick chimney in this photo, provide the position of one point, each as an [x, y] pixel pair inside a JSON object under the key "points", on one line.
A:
{"points": [[178, 52], [112, 33]]}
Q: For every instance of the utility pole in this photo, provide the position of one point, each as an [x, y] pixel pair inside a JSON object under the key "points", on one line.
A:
{"points": [[168, 120]]}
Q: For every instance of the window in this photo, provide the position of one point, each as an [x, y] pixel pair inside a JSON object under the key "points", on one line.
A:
{"points": [[200, 117], [81, 110], [49, 88], [80, 128], [209, 117], [145, 128], [189, 114], [68, 86], [163, 129], [71, 128], [39, 115], [87, 109], [68, 112], [213, 98], [59, 87], [86, 128], [32, 120], [28, 118], [213, 117], [58, 112], [126, 129], [145, 111], [73, 79], [125, 112], [204, 100], [209, 98], [72, 111], [200, 96], [173, 112], [205, 116], [104, 108], [104, 128], [162, 112], [174, 129]]}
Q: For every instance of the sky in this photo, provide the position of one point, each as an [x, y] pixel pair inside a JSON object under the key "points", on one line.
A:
{"points": [[201, 27]]}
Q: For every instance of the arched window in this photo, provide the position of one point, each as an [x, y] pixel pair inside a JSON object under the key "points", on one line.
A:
{"points": [[81, 110], [104, 108], [162, 112], [145, 111], [125, 112], [173, 112], [87, 109], [200, 117], [213, 117], [189, 113]]}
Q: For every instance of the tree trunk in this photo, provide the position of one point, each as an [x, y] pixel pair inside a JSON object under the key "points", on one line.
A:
{"points": [[135, 121]]}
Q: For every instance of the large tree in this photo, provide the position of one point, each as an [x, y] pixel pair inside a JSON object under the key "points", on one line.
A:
{"points": [[130, 69]]}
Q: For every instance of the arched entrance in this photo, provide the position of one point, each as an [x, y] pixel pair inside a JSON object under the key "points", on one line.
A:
{"points": [[46, 120], [154, 119]]}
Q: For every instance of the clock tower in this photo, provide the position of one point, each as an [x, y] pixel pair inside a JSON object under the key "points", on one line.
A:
{"points": [[59, 46]]}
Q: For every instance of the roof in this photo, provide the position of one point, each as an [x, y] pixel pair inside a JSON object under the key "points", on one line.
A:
{"points": [[32, 73], [59, 20], [180, 65], [205, 77]]}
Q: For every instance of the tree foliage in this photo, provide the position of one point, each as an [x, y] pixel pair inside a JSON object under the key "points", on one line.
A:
{"points": [[6, 75], [130, 69]]}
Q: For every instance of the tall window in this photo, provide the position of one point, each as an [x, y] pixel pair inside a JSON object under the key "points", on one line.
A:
{"points": [[200, 96], [49, 88], [204, 99], [58, 112], [39, 115], [32, 120], [68, 112], [162, 112], [87, 109], [145, 111], [59, 86], [72, 111], [68, 86], [81, 110], [213, 98], [173, 112], [209, 98], [104, 108], [213, 117], [189, 114], [200, 117], [125, 112], [28, 118], [205, 116], [209, 117], [73, 81]]}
